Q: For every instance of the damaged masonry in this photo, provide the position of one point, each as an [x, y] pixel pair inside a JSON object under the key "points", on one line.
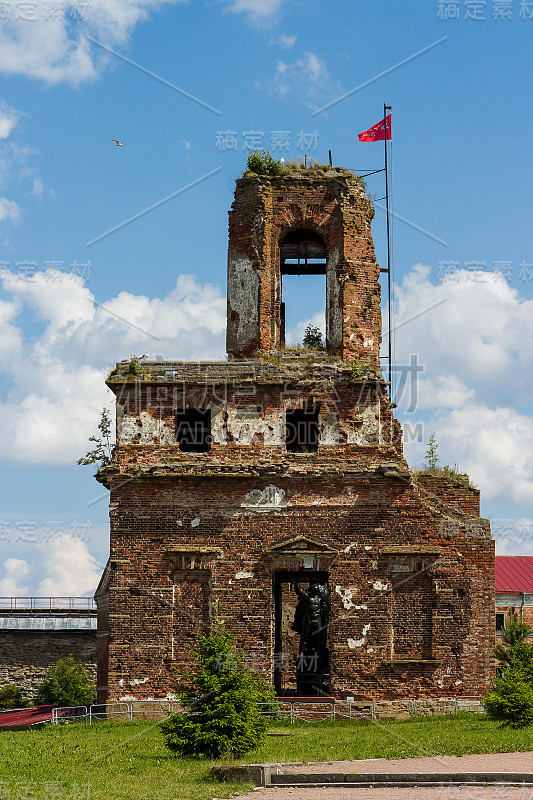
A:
{"points": [[273, 487]]}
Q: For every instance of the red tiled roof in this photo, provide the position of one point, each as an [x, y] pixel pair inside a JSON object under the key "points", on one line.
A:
{"points": [[514, 573]]}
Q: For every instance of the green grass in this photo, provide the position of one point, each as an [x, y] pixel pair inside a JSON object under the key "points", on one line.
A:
{"points": [[128, 761]]}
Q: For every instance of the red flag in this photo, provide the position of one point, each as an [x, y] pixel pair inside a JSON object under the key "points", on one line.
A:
{"points": [[377, 132]]}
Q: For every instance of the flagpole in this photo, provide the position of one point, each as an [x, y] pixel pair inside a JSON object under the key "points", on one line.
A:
{"points": [[385, 109]]}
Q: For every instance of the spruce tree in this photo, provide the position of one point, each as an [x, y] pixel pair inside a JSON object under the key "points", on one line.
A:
{"points": [[220, 699]]}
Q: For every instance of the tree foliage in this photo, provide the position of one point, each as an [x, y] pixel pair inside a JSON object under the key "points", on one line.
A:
{"points": [[101, 454], [511, 701], [67, 683], [313, 338], [12, 696], [514, 651], [220, 698]]}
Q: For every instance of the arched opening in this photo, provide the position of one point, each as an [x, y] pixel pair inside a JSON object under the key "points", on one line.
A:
{"points": [[302, 253]]}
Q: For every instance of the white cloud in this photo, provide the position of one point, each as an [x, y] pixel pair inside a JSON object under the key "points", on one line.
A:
{"points": [[513, 536], [62, 566], [258, 11], [8, 119], [37, 188], [69, 568], [473, 334], [14, 164], [285, 41], [306, 79], [54, 47], [14, 581], [494, 446], [58, 387], [9, 210]]}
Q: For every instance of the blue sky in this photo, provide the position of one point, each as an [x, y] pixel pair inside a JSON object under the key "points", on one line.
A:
{"points": [[228, 74]]}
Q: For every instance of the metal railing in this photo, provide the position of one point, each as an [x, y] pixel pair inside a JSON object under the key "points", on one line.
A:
{"points": [[46, 605], [101, 712], [291, 709]]}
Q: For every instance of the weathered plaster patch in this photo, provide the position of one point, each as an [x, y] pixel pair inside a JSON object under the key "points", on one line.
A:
{"points": [[380, 586], [219, 431], [368, 547], [333, 301], [138, 681], [271, 497], [368, 431], [144, 429], [195, 522], [350, 547], [346, 597], [329, 430], [353, 643], [244, 423], [241, 575], [243, 301]]}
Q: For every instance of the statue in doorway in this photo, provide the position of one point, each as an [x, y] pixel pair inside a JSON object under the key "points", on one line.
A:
{"points": [[311, 617]]}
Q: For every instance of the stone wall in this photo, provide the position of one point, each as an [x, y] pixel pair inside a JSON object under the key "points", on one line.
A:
{"points": [[25, 657]]}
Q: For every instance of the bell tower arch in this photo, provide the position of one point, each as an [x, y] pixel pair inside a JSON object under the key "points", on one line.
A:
{"points": [[303, 223]]}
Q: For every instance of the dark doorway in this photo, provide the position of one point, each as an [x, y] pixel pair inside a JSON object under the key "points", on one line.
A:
{"points": [[301, 656]]}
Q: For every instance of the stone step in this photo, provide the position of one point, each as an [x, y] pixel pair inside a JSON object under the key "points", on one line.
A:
{"points": [[412, 779]]}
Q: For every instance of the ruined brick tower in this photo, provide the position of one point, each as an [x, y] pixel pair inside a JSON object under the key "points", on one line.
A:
{"points": [[273, 487]]}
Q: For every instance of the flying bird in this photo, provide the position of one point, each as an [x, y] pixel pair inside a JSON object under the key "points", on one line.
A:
{"points": [[117, 143]]}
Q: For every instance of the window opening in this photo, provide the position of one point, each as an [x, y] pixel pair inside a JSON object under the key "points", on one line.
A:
{"points": [[301, 430], [302, 253], [193, 430], [500, 622]]}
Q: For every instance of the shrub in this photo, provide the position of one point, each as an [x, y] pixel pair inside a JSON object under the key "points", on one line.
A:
{"points": [[220, 699], [67, 683], [313, 338], [514, 650], [262, 163], [511, 701], [12, 696]]}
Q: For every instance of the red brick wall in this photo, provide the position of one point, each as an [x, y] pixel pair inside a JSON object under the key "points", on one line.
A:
{"points": [[409, 562], [336, 208], [446, 608]]}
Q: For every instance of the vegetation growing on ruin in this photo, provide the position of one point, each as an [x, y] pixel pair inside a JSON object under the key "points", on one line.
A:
{"points": [[261, 162], [101, 452], [431, 466]]}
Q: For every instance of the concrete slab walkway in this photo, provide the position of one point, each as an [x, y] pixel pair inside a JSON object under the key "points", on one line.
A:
{"points": [[448, 766]]}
